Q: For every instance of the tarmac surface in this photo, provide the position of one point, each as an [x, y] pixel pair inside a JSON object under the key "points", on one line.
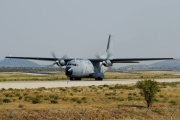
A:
{"points": [[67, 83]]}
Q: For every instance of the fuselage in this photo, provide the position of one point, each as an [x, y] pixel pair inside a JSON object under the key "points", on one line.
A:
{"points": [[82, 68]]}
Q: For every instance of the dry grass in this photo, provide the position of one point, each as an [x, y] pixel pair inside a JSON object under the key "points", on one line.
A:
{"points": [[142, 74], [15, 76], [100, 102]]}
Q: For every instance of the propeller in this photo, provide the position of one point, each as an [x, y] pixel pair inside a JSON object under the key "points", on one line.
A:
{"points": [[59, 61], [106, 62]]}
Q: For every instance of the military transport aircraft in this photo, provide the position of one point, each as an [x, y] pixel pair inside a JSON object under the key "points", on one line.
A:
{"points": [[76, 69]]}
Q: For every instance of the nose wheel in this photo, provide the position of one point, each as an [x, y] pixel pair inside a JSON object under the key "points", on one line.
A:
{"points": [[75, 79]]}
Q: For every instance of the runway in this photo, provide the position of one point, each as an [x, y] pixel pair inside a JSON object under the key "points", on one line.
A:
{"points": [[67, 83]]}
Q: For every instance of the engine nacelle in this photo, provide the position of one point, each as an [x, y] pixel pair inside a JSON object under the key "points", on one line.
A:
{"points": [[60, 62], [107, 63]]}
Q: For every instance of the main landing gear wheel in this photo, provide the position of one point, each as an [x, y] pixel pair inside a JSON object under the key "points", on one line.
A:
{"points": [[98, 79], [75, 79]]}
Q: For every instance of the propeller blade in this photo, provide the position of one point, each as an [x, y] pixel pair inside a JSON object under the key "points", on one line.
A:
{"points": [[97, 56], [53, 54], [64, 57], [51, 65], [109, 55]]}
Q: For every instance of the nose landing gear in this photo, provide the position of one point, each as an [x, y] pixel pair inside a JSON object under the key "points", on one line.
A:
{"points": [[75, 79]]}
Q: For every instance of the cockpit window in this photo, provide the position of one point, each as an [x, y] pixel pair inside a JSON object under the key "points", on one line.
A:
{"points": [[72, 64]]}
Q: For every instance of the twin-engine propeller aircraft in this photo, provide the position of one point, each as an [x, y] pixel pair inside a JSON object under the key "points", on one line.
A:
{"points": [[76, 69]]}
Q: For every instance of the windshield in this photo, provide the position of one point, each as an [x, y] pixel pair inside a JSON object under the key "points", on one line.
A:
{"points": [[72, 64]]}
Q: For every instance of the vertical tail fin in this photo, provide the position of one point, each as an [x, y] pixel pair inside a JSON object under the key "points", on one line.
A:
{"points": [[109, 43], [109, 50]]}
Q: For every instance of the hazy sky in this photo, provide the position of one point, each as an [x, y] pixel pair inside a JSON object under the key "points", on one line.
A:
{"points": [[80, 28]]}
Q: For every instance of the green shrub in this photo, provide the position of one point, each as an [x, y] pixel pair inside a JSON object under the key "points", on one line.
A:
{"points": [[134, 93], [20, 106], [17, 94], [105, 85], [120, 99], [130, 98], [35, 100], [54, 97], [161, 96], [79, 101], [54, 102], [172, 102], [156, 110], [1, 101], [83, 98], [128, 87], [10, 89], [3, 89], [62, 89], [20, 97], [74, 99], [41, 88], [46, 98], [25, 94], [113, 98], [109, 94], [28, 98], [75, 90], [100, 87], [148, 89], [156, 100], [8, 95], [6, 100], [65, 98], [39, 96]]}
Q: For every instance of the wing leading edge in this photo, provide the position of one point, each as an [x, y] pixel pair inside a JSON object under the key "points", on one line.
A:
{"points": [[116, 60]]}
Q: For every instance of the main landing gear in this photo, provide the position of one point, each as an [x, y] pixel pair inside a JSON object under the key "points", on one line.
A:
{"points": [[79, 79], [98, 79]]}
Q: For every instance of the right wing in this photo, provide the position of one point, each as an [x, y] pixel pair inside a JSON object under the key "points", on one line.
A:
{"points": [[126, 60], [129, 60]]}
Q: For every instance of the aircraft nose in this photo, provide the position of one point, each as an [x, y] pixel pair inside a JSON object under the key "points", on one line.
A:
{"points": [[69, 71]]}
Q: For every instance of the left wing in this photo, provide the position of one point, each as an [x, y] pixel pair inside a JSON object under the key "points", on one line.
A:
{"points": [[40, 58]]}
